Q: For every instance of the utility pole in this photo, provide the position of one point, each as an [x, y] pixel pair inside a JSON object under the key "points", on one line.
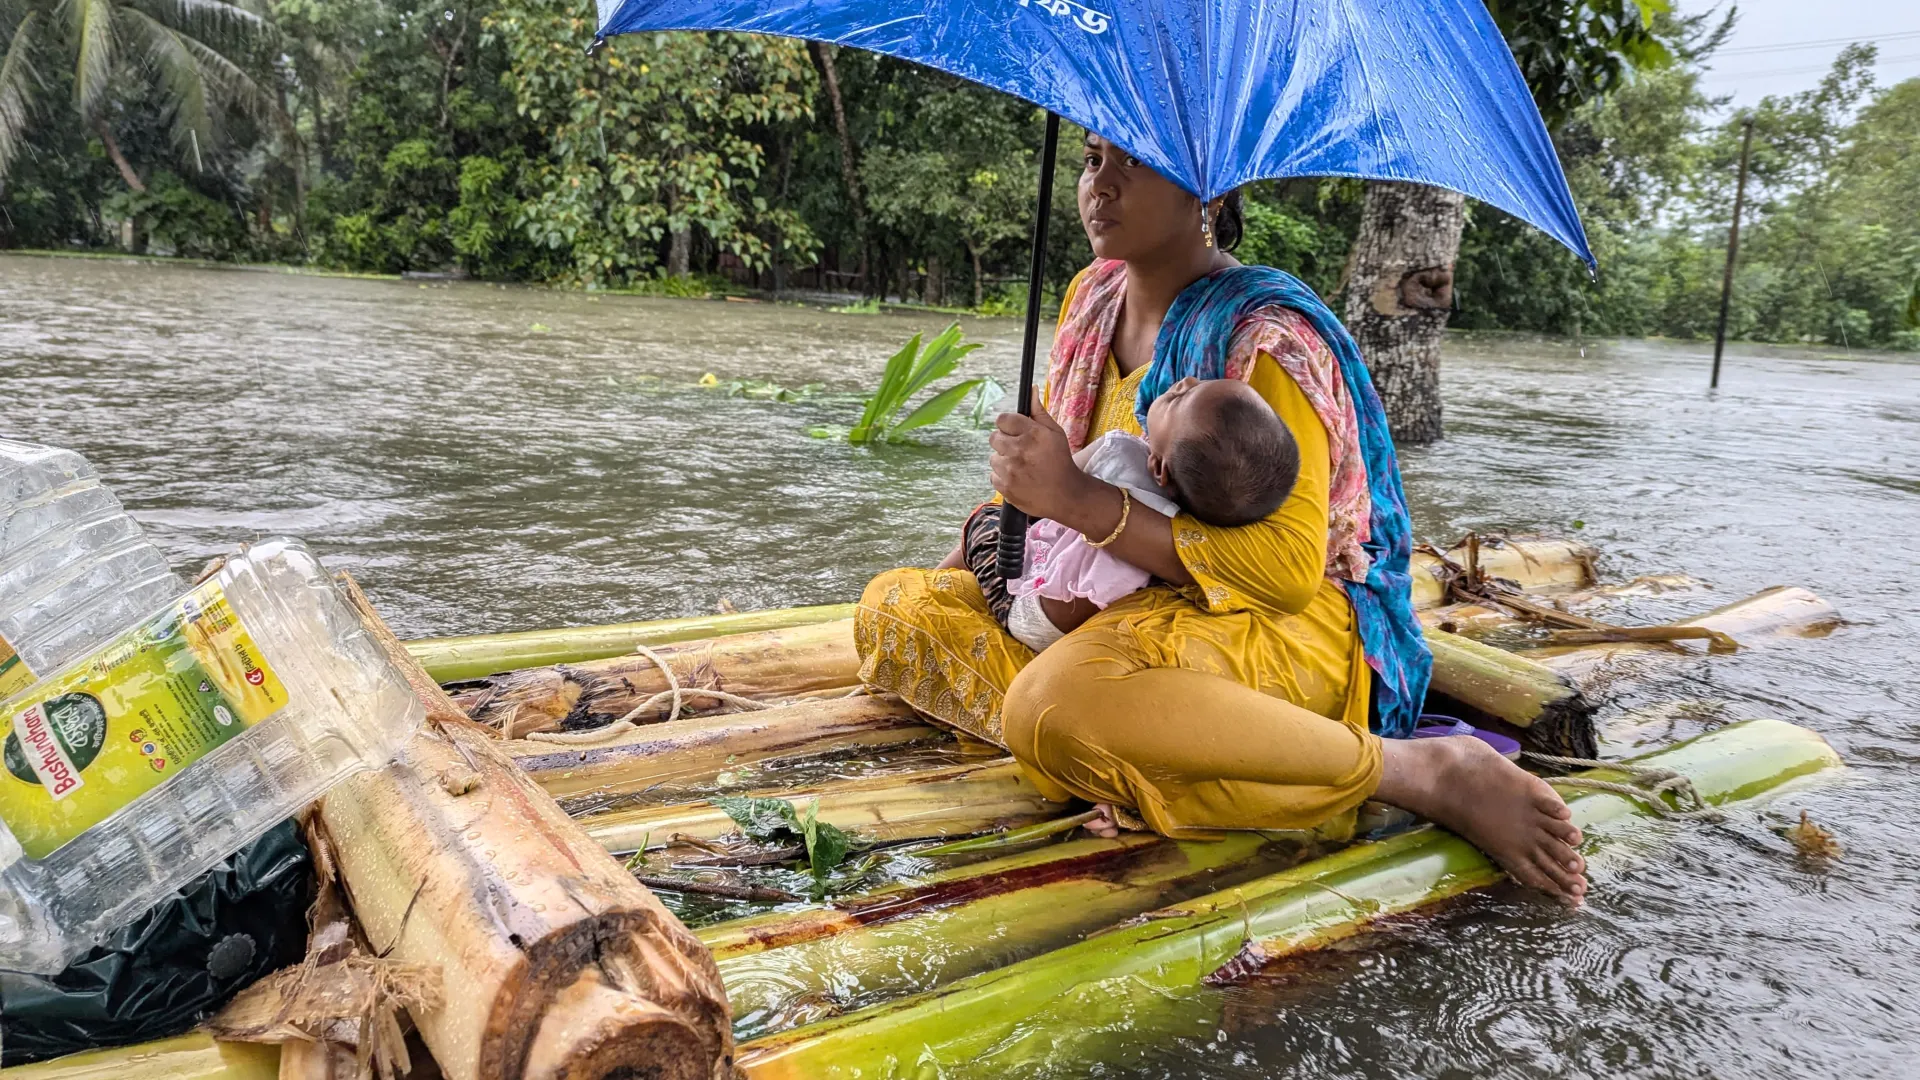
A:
{"points": [[1733, 252]]}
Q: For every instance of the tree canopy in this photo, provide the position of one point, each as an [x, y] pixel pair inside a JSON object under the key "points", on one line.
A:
{"points": [[478, 136]]}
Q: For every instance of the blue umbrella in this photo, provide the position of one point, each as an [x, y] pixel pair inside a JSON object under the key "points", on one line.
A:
{"points": [[1212, 93]]}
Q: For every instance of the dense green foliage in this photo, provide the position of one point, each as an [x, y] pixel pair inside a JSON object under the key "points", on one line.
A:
{"points": [[480, 137]]}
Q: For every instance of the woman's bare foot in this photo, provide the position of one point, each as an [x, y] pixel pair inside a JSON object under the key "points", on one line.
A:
{"points": [[1514, 816], [1104, 823]]}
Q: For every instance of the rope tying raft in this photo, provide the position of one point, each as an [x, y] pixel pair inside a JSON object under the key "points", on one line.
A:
{"points": [[1649, 786], [674, 692]]}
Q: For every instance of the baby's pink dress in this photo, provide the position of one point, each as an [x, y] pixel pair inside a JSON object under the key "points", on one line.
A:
{"points": [[1062, 565]]}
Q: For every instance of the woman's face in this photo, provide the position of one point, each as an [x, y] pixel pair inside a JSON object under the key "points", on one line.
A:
{"points": [[1130, 211]]}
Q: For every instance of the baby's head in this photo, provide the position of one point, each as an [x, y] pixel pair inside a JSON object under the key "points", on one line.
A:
{"points": [[1219, 446]]}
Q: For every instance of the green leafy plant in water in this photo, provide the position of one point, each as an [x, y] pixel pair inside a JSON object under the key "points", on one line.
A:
{"points": [[869, 306], [770, 820], [910, 371]]}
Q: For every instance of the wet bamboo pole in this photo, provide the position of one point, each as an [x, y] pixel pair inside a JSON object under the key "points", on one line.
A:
{"points": [[923, 804], [1074, 993]]}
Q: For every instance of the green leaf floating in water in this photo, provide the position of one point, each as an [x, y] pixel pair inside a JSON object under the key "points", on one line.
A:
{"points": [[769, 820], [827, 846], [761, 819]]}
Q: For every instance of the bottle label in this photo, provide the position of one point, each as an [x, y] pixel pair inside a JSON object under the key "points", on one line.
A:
{"points": [[153, 701], [14, 676]]}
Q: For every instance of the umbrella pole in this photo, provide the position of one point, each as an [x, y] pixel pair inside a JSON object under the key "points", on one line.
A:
{"points": [[1013, 521]]}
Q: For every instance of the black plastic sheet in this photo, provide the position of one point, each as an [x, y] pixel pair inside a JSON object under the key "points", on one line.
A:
{"points": [[172, 967]]}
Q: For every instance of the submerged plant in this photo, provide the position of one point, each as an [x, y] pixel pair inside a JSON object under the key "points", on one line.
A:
{"points": [[759, 389], [767, 819], [912, 370]]}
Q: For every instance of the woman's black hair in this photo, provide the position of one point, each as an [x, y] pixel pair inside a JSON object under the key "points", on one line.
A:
{"points": [[1230, 224]]}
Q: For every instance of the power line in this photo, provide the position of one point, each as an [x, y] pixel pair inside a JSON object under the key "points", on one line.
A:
{"points": [[1885, 61], [1746, 50]]}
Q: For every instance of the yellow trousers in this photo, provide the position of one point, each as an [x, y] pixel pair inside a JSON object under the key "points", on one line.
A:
{"points": [[1197, 721]]}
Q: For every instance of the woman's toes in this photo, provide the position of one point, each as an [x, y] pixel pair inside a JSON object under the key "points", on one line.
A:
{"points": [[1526, 873], [1563, 879], [1566, 832], [1549, 802]]}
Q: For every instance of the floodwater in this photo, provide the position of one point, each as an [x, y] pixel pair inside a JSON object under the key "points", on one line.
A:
{"points": [[492, 459]]}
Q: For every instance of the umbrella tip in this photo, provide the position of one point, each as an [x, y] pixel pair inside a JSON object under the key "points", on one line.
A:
{"points": [[594, 45]]}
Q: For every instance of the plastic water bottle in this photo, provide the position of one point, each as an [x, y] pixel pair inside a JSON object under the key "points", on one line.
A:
{"points": [[74, 568], [214, 714]]}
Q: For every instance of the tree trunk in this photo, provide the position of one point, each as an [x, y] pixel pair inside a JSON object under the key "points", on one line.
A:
{"points": [[680, 251], [979, 296], [1399, 287], [849, 168], [935, 287], [119, 160], [133, 237]]}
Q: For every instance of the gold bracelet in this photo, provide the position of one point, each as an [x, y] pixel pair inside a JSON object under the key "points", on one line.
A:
{"points": [[1126, 507]]}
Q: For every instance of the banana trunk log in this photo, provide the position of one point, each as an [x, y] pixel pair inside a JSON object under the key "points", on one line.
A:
{"points": [[1536, 566], [1782, 611], [816, 657], [318, 1061], [194, 1056], [957, 800], [453, 859], [1529, 695], [771, 666], [950, 925], [1042, 1007], [456, 659], [696, 750]]}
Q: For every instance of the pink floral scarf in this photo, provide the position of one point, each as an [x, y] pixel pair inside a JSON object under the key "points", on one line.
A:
{"points": [[1078, 365]]}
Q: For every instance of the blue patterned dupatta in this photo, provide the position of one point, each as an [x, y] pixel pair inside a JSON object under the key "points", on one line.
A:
{"points": [[1193, 341]]}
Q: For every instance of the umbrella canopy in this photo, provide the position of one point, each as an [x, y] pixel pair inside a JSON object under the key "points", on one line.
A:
{"points": [[1216, 93]]}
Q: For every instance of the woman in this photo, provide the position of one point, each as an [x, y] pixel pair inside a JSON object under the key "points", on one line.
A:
{"points": [[1238, 695]]}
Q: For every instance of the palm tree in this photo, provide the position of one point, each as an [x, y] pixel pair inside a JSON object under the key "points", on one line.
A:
{"points": [[180, 47]]}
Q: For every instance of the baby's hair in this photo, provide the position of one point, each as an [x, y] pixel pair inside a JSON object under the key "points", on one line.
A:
{"points": [[1240, 469]]}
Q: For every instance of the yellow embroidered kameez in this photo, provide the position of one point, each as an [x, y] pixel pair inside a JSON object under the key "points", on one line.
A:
{"points": [[1239, 702]]}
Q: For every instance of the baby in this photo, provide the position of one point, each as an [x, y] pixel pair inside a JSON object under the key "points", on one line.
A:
{"points": [[1213, 448]]}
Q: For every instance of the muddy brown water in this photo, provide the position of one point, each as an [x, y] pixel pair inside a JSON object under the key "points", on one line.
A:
{"points": [[488, 458]]}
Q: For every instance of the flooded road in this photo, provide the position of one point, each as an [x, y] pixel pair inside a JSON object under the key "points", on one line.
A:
{"points": [[490, 459]]}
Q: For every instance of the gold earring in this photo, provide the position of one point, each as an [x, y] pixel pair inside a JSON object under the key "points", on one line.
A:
{"points": [[1206, 225]]}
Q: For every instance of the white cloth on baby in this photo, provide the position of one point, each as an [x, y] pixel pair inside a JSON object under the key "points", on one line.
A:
{"points": [[1062, 565]]}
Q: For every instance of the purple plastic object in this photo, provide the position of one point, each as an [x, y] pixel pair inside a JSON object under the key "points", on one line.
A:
{"points": [[1435, 726]]}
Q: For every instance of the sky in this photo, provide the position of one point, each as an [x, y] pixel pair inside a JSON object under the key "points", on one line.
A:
{"points": [[1783, 46]]}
